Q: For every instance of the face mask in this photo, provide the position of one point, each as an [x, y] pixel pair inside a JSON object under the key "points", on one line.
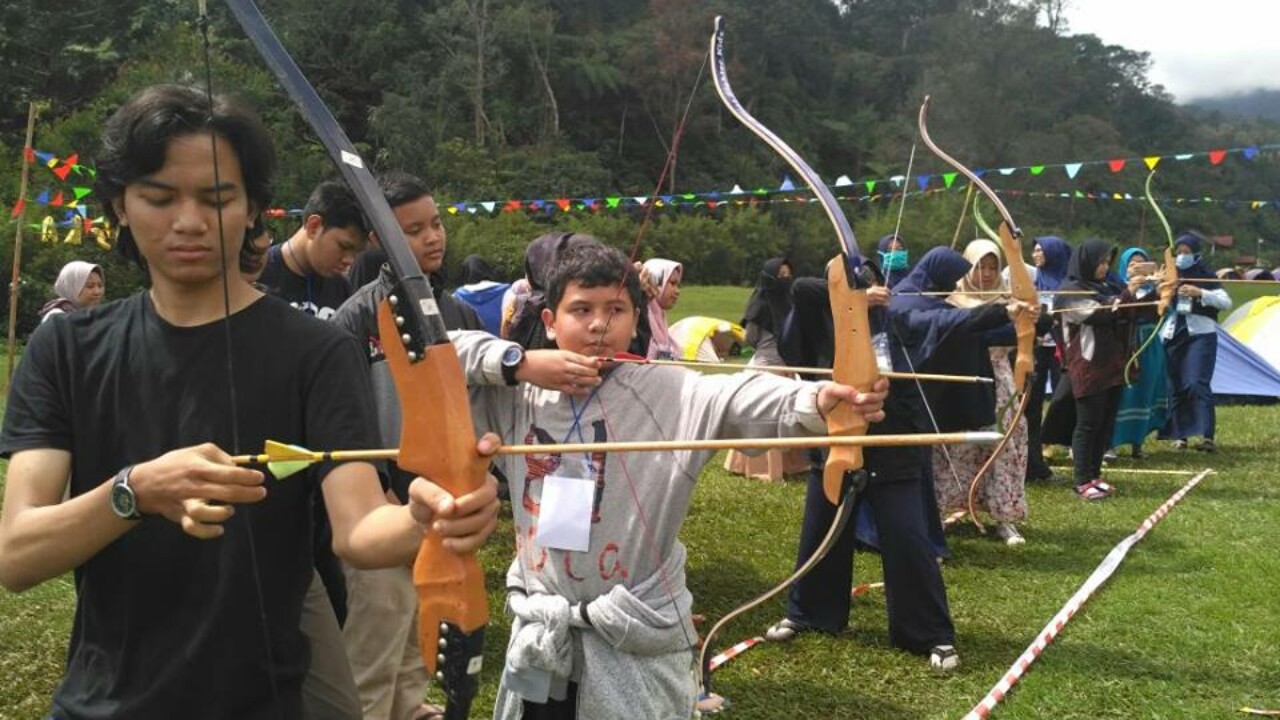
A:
{"points": [[894, 260], [1184, 262]]}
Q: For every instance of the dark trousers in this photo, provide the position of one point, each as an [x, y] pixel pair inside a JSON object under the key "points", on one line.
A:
{"points": [[1192, 359], [1095, 422], [1046, 367], [915, 596]]}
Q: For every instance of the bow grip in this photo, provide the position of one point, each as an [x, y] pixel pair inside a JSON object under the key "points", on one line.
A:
{"points": [[854, 364], [437, 441], [1169, 284]]}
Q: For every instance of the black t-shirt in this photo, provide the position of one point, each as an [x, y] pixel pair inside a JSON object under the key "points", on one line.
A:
{"points": [[312, 294], [166, 625]]}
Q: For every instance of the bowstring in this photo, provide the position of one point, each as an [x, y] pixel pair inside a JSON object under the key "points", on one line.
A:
{"points": [[933, 420], [203, 23]]}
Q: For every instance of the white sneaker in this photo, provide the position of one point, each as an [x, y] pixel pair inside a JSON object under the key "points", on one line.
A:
{"points": [[1009, 534], [944, 658]]}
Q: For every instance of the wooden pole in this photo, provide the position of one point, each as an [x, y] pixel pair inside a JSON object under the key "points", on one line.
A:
{"points": [[17, 240]]}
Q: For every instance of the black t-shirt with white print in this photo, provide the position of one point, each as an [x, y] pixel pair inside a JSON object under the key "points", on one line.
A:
{"points": [[312, 294]]}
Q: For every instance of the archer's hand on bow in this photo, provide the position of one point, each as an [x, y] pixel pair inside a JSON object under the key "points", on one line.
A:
{"points": [[869, 404], [196, 487], [466, 521], [1017, 307], [568, 372]]}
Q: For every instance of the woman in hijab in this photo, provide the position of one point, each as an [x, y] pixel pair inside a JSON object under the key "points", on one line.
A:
{"points": [[1098, 341], [1002, 491], [665, 277], [768, 305], [895, 510], [1191, 346], [894, 259], [1144, 402], [1050, 256], [767, 309], [80, 284], [522, 311], [938, 337]]}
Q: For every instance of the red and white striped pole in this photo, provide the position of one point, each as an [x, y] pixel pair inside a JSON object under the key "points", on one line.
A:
{"points": [[1094, 581]]}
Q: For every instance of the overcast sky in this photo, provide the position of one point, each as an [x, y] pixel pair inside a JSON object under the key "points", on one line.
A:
{"points": [[1198, 48]]}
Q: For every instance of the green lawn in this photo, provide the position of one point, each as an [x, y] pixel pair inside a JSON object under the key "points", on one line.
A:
{"points": [[1187, 628]]}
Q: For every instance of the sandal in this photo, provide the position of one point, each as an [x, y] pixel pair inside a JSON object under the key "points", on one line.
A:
{"points": [[944, 658], [785, 630], [1094, 490], [711, 704], [427, 711]]}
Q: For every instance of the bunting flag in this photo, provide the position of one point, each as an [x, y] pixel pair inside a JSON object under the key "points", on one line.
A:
{"points": [[1072, 169], [1116, 165], [18, 207]]}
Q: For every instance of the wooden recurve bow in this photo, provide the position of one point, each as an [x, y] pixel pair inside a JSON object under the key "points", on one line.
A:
{"points": [[1020, 288], [855, 361], [437, 438]]}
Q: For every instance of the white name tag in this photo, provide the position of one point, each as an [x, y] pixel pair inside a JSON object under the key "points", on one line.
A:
{"points": [[564, 520]]}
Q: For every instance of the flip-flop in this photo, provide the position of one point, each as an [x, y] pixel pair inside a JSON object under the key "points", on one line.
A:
{"points": [[712, 704], [1091, 491], [427, 711]]}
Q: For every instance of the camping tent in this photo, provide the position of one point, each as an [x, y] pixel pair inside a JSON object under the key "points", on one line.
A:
{"points": [[1257, 325], [1241, 371], [708, 339]]}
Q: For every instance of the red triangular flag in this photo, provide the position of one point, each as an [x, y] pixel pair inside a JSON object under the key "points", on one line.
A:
{"points": [[28, 154], [18, 207], [71, 161], [57, 199], [1116, 165], [62, 172], [1217, 156]]}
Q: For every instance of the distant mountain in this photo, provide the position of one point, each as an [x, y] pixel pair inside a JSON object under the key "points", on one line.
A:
{"points": [[1251, 105]]}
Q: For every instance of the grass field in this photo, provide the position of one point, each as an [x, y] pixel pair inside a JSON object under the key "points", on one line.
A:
{"points": [[1187, 628]]}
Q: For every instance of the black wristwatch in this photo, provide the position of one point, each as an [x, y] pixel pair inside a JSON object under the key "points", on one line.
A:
{"points": [[123, 502], [511, 360]]}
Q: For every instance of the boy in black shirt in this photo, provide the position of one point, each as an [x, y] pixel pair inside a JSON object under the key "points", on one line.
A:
{"points": [[138, 405], [310, 268]]}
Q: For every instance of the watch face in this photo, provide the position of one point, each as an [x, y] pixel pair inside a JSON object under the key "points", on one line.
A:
{"points": [[512, 357], [123, 501]]}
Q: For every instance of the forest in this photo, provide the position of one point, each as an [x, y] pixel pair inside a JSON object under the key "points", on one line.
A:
{"points": [[529, 115]]}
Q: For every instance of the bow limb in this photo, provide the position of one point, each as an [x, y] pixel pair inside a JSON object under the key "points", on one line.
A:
{"points": [[437, 438], [1021, 288], [855, 362], [1168, 280]]}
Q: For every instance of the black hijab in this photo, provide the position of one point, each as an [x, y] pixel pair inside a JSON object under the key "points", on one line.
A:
{"points": [[1082, 270], [771, 298]]}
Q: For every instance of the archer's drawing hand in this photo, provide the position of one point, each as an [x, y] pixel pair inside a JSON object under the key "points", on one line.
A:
{"points": [[196, 487], [878, 296], [1015, 307], [560, 370], [869, 404], [466, 521]]}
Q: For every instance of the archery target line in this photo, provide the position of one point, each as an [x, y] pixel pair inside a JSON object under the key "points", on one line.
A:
{"points": [[1100, 575]]}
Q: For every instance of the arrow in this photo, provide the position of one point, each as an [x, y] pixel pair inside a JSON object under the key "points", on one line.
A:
{"points": [[730, 367], [284, 460], [1121, 306]]}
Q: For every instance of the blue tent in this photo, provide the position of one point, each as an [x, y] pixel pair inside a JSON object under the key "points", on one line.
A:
{"points": [[1241, 371]]}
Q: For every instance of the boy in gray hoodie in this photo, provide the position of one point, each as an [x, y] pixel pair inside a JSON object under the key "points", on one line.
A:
{"points": [[601, 625]]}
